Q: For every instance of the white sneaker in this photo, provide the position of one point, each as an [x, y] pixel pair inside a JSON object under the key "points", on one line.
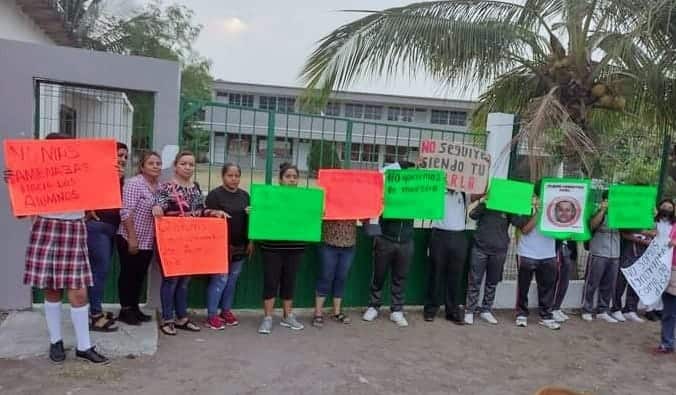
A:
{"points": [[370, 314], [521, 321], [488, 317], [398, 318], [564, 315], [559, 316], [587, 317], [607, 318], [551, 324], [618, 316], [632, 316], [469, 318]]}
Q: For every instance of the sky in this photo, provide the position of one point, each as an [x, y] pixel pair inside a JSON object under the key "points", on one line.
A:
{"points": [[268, 41]]}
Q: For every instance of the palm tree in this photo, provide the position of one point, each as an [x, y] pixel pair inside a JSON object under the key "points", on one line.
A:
{"points": [[572, 69]]}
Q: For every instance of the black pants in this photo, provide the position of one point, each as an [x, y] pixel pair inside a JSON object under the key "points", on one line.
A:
{"points": [[448, 253], [133, 272], [279, 273], [397, 257], [631, 301], [545, 278], [565, 265]]}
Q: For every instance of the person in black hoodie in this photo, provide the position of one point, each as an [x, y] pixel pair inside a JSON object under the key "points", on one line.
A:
{"points": [[393, 250], [491, 241]]}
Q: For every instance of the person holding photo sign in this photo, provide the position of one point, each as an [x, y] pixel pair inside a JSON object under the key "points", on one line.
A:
{"points": [[281, 260], [180, 197], [235, 202], [602, 265], [536, 254], [634, 244], [489, 251], [135, 237], [392, 250], [664, 222], [57, 260]]}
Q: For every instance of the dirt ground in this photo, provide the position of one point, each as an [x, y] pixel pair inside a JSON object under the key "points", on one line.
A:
{"points": [[368, 358]]}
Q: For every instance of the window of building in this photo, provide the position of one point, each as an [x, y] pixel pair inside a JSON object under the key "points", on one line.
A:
{"points": [[332, 109], [238, 145], [281, 148], [221, 94], [395, 153], [401, 114], [458, 118], [268, 103], [369, 153], [373, 112], [286, 104], [237, 99], [68, 121], [354, 110]]}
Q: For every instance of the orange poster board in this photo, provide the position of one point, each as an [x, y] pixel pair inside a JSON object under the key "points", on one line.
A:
{"points": [[351, 194], [51, 176], [192, 245]]}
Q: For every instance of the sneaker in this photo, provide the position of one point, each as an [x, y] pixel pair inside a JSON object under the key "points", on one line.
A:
{"points": [[370, 314], [550, 324], [618, 316], [563, 314], [215, 322], [291, 322], [632, 316], [488, 317], [56, 352], [559, 316], [92, 356], [587, 317], [607, 318], [663, 350], [521, 321], [469, 318], [429, 316], [652, 316], [398, 318], [229, 318], [266, 326]]}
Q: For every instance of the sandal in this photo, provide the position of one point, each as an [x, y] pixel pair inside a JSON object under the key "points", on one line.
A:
{"points": [[188, 326], [168, 329], [318, 321], [102, 323], [342, 318]]}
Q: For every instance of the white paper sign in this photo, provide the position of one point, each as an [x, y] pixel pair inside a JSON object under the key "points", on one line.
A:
{"points": [[563, 205], [649, 275]]}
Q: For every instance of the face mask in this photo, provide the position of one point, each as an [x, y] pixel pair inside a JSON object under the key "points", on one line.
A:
{"points": [[665, 213]]}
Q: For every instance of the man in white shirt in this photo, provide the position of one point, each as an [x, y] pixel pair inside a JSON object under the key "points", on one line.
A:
{"points": [[447, 255]]}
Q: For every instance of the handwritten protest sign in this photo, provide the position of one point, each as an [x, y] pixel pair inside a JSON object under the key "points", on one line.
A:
{"points": [[285, 213], [509, 196], [192, 245], [351, 194], [650, 274], [631, 206], [466, 167], [564, 211], [414, 194], [62, 175]]}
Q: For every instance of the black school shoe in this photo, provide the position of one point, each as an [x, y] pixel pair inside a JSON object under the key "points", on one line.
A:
{"points": [[92, 356], [141, 316], [56, 352], [652, 316], [129, 317]]}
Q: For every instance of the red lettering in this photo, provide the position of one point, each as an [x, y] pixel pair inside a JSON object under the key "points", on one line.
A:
{"points": [[454, 180], [428, 146]]}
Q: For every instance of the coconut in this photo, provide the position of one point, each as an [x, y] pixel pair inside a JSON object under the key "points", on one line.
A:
{"points": [[606, 101], [598, 90], [619, 103]]}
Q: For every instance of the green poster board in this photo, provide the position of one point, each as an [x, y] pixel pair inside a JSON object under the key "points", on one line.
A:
{"points": [[565, 208], [286, 213], [514, 197], [414, 194], [631, 206]]}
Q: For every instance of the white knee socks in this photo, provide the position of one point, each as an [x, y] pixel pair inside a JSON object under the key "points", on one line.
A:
{"points": [[80, 318], [53, 317]]}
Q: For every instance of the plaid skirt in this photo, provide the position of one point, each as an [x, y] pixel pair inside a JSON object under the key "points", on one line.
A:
{"points": [[57, 255]]}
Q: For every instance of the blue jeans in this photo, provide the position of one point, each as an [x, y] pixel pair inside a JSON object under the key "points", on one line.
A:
{"points": [[668, 320], [174, 296], [100, 244], [335, 265], [221, 289]]}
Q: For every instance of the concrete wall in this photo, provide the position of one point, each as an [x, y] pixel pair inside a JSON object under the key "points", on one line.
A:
{"points": [[15, 25], [21, 63]]}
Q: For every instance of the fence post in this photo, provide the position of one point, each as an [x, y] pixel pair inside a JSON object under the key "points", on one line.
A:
{"points": [[347, 150], [270, 146], [666, 143]]}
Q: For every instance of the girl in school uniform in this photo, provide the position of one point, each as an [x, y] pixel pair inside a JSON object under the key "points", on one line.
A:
{"points": [[221, 290], [281, 260], [136, 235], [179, 197], [666, 216], [57, 260]]}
